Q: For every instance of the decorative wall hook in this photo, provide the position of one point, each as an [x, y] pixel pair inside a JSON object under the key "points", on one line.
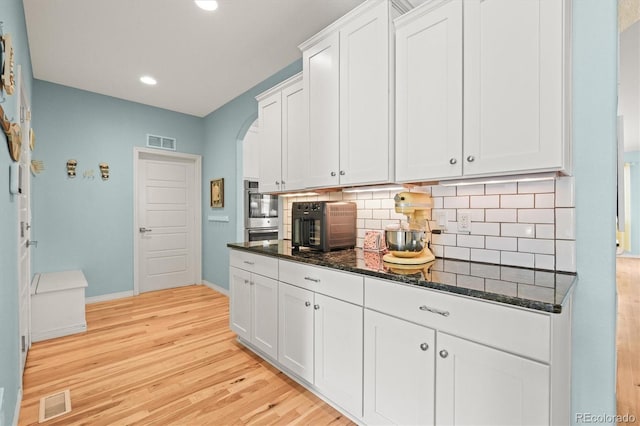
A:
{"points": [[71, 168], [104, 171]]}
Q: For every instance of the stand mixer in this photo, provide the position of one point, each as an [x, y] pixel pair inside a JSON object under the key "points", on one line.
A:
{"points": [[407, 247]]}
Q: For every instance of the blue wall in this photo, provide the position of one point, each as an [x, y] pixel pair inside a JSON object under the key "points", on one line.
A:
{"points": [[88, 223], [594, 145], [633, 157], [224, 128], [12, 16]]}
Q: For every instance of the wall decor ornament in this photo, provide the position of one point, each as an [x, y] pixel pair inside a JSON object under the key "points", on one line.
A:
{"points": [[71, 168], [104, 171], [217, 193], [7, 78]]}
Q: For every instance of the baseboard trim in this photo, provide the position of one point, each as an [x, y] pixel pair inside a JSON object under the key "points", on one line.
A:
{"points": [[58, 332], [216, 287], [16, 413], [108, 297]]}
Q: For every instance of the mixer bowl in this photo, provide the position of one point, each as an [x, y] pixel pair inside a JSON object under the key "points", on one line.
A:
{"points": [[405, 243]]}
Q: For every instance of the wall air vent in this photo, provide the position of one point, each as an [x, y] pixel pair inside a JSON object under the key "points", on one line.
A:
{"points": [[161, 142]]}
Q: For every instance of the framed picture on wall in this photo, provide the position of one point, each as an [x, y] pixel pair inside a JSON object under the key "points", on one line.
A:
{"points": [[217, 193]]}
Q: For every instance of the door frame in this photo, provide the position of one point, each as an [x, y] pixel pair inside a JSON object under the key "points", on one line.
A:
{"points": [[154, 154]]}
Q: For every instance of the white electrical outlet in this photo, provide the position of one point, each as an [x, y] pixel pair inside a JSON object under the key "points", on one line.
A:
{"points": [[464, 222]]}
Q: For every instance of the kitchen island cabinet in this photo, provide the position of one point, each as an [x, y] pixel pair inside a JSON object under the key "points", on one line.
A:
{"points": [[389, 348], [511, 117]]}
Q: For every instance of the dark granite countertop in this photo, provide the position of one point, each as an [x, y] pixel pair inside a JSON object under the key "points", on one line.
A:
{"points": [[536, 289]]}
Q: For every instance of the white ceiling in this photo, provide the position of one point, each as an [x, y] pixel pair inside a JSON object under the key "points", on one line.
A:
{"points": [[200, 59]]}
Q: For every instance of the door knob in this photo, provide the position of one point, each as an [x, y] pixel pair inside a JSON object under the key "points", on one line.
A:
{"points": [[143, 230]]}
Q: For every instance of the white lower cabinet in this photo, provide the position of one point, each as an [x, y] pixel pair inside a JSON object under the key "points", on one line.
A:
{"points": [[399, 371], [320, 340], [478, 385], [254, 309]]}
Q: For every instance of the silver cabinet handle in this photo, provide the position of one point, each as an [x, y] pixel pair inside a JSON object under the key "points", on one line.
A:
{"points": [[249, 263], [424, 346], [452, 161], [434, 310], [315, 280], [444, 353], [143, 230], [333, 173], [316, 307], [342, 173], [307, 304], [471, 158]]}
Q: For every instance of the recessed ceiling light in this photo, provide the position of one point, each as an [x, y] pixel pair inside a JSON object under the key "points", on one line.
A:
{"points": [[146, 79], [207, 4]]}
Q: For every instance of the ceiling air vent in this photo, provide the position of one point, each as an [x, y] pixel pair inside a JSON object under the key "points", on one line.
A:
{"points": [[161, 142]]}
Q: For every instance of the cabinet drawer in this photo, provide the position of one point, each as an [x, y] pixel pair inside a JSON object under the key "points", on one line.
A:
{"points": [[262, 265], [514, 330], [341, 285]]}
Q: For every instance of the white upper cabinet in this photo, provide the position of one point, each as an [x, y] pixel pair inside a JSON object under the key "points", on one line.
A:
{"points": [[348, 81], [251, 153], [429, 94], [513, 110], [283, 137]]}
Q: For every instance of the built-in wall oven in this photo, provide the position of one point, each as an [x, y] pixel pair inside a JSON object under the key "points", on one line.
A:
{"points": [[261, 214]]}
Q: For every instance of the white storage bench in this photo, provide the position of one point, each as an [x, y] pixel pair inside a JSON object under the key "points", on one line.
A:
{"points": [[57, 304]]}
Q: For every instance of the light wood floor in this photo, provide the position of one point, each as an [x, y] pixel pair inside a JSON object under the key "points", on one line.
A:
{"points": [[165, 357], [628, 336]]}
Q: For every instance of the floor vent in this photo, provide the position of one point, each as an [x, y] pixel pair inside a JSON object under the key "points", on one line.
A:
{"points": [[55, 405]]}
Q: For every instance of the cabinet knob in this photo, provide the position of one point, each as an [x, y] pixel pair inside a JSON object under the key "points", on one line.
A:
{"points": [[277, 182], [342, 173], [452, 161], [444, 353], [471, 159], [333, 173], [246, 281], [424, 346], [282, 182], [316, 307], [307, 304]]}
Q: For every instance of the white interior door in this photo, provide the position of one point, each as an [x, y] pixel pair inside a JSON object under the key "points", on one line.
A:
{"points": [[24, 216], [167, 225]]}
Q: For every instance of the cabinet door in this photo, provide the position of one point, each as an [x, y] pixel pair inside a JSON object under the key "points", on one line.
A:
{"points": [[295, 330], [265, 315], [270, 118], [364, 98], [399, 371], [484, 386], [321, 91], [338, 352], [294, 137], [513, 82], [251, 153], [429, 94], [240, 302]]}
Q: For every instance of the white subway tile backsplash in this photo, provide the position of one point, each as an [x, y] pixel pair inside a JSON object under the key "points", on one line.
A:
{"points": [[536, 216], [529, 245], [455, 266], [545, 201], [485, 271], [566, 224], [545, 231], [485, 202], [521, 230], [565, 192], [487, 256], [566, 256], [528, 224], [444, 277], [501, 188], [456, 202], [471, 190], [502, 287], [525, 276], [526, 260], [523, 201], [502, 243], [536, 187], [501, 215], [461, 253], [472, 241], [468, 281]]}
